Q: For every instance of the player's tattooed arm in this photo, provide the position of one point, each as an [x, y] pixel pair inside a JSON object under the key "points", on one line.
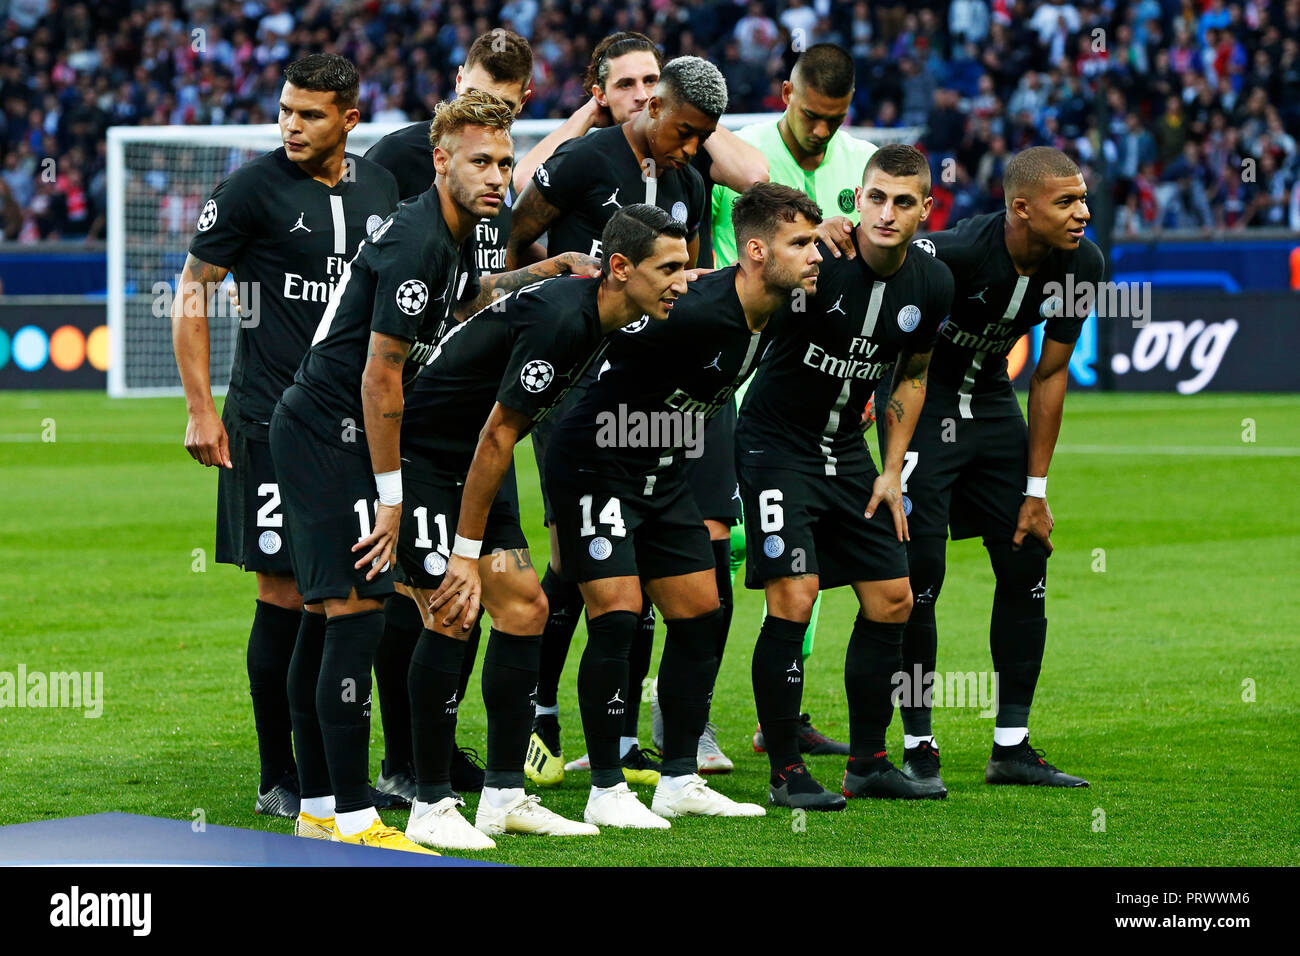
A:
{"points": [[494, 287], [531, 216], [458, 596], [381, 400], [1046, 405], [381, 406], [901, 415], [205, 436]]}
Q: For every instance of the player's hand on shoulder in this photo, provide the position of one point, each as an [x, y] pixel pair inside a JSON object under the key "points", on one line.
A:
{"points": [[836, 235], [459, 594], [380, 542], [1035, 519], [206, 439], [693, 274], [887, 488], [578, 264]]}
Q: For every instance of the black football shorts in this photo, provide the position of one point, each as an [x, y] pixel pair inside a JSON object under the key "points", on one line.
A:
{"points": [[251, 530], [329, 501], [798, 523]]}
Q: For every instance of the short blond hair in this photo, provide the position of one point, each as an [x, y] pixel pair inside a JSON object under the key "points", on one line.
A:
{"points": [[471, 108]]}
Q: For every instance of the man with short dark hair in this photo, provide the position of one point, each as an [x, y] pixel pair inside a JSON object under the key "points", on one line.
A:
{"points": [[284, 225], [490, 379], [805, 149], [812, 496], [570, 197], [627, 520], [975, 467], [499, 62], [374, 337]]}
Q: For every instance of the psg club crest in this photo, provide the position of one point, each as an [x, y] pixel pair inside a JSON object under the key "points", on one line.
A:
{"points": [[845, 200], [773, 546], [412, 296], [536, 375], [600, 548], [435, 563], [373, 223], [909, 317], [269, 542], [679, 211]]}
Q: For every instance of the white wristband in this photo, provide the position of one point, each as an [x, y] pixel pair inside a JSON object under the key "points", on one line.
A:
{"points": [[389, 486], [467, 548], [1036, 487]]}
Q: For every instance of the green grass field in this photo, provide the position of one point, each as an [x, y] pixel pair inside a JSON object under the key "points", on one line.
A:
{"points": [[106, 544]]}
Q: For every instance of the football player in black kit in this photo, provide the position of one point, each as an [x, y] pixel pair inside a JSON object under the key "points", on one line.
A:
{"points": [[335, 439], [818, 515], [490, 379], [571, 196], [974, 466], [626, 518], [283, 225], [498, 62]]}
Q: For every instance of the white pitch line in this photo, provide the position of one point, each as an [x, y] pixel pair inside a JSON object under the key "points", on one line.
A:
{"points": [[1242, 451]]}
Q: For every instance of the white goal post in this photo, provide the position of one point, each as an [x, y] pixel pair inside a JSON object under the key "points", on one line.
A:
{"points": [[158, 179]]}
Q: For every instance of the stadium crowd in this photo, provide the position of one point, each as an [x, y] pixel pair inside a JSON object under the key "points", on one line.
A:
{"points": [[1190, 108]]}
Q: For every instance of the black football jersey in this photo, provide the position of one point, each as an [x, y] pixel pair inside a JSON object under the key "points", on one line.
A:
{"points": [[407, 155], [404, 281], [590, 177], [525, 351], [657, 379], [286, 239], [993, 306], [803, 409]]}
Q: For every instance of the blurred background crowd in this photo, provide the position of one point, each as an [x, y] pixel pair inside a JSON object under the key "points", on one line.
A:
{"points": [[1186, 110]]}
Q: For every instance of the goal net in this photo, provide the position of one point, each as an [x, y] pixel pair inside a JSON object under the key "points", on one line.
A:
{"points": [[158, 180]]}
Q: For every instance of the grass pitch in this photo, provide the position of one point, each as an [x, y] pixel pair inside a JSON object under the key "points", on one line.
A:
{"points": [[1172, 676]]}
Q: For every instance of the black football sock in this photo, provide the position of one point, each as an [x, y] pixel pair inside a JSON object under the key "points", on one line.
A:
{"points": [[433, 679], [402, 626], [874, 656], [603, 691], [270, 647], [343, 704], [726, 597], [566, 604], [509, 676], [471, 652], [1018, 627], [304, 674], [638, 666], [921, 637], [777, 673], [686, 673]]}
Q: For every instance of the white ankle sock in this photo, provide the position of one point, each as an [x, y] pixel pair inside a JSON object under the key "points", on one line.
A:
{"points": [[625, 744], [354, 821], [673, 784], [1009, 736], [553, 711], [498, 798], [910, 742], [322, 808]]}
